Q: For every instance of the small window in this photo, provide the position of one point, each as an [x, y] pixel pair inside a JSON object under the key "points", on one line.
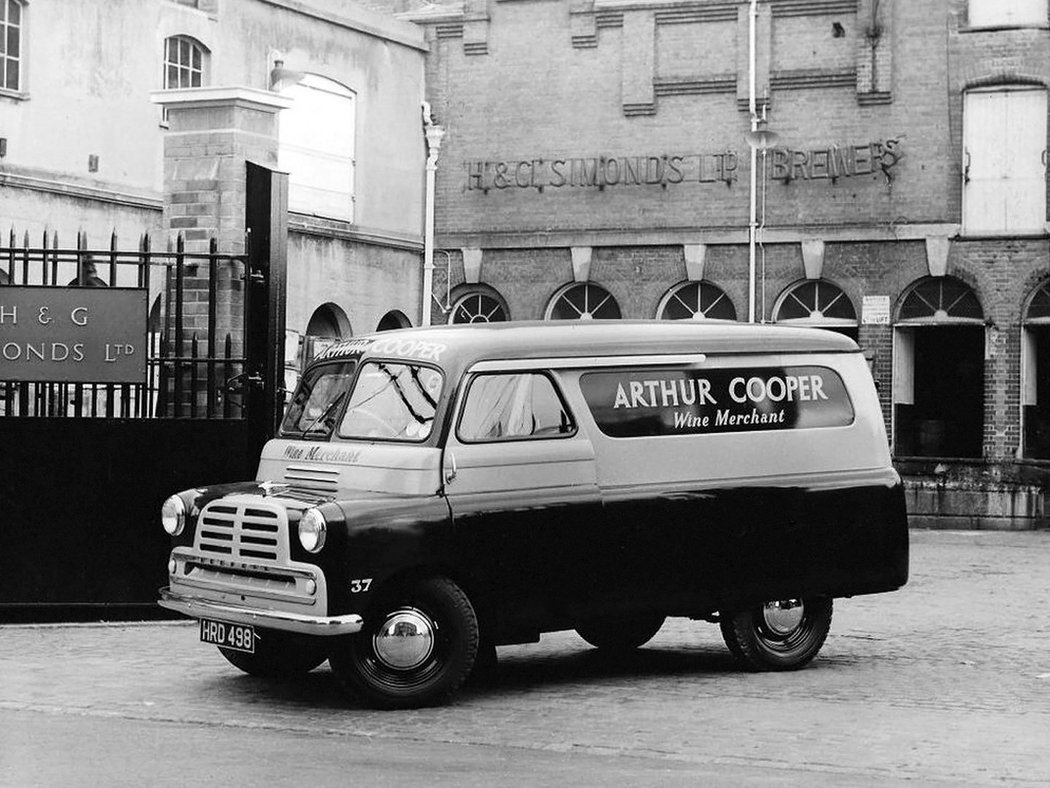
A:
{"points": [[583, 301], [10, 44], [392, 402], [184, 62], [1007, 13], [509, 407]]}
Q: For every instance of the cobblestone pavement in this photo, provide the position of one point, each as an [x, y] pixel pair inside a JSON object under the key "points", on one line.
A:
{"points": [[945, 681]]}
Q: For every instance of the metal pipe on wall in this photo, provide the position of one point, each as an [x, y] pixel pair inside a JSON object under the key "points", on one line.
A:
{"points": [[434, 133]]}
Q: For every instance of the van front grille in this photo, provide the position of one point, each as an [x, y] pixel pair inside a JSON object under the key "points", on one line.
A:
{"points": [[242, 531]]}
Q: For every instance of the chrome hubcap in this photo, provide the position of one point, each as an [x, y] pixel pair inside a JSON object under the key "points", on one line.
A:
{"points": [[406, 639], [784, 617]]}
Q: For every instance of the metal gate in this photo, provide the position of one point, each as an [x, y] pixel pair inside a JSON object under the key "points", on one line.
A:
{"points": [[84, 466]]}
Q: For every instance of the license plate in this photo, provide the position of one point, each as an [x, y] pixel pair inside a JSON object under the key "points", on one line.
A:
{"points": [[239, 637]]}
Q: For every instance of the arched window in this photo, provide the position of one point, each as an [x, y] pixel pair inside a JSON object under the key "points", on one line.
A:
{"points": [[938, 370], [940, 299], [316, 147], [185, 63], [696, 301], [583, 301], [815, 302], [479, 306], [11, 25]]}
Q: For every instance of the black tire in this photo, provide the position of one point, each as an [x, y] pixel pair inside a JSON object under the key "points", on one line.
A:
{"points": [[778, 635], [391, 671], [279, 655], [623, 634]]}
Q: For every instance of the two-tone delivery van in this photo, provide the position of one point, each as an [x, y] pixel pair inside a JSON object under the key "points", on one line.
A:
{"points": [[434, 493]]}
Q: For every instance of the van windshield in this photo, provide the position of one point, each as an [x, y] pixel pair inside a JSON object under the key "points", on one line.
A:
{"points": [[313, 411], [392, 401]]}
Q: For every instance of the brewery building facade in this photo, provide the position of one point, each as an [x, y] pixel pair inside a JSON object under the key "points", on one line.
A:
{"points": [[873, 167]]}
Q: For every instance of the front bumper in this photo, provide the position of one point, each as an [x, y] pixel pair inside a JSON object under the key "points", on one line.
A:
{"points": [[196, 607]]}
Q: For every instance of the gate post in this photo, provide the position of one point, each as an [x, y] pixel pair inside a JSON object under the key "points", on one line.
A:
{"points": [[213, 133]]}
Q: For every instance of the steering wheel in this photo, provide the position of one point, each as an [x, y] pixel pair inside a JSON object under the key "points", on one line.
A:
{"points": [[391, 430]]}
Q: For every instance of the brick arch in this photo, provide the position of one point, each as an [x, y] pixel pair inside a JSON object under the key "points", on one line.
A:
{"points": [[1006, 79]]}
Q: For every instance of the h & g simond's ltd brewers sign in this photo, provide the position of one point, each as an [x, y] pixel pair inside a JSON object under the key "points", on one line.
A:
{"points": [[73, 334]]}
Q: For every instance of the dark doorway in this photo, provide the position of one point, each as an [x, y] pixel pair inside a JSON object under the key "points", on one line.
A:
{"points": [[1037, 414], [947, 416]]}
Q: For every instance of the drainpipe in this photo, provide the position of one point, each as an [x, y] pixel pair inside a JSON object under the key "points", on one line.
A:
{"points": [[752, 108], [434, 134]]}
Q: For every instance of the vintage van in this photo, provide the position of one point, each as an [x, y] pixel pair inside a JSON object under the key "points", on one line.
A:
{"points": [[434, 493]]}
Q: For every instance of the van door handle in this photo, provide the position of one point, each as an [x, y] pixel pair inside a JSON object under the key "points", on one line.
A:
{"points": [[450, 467]]}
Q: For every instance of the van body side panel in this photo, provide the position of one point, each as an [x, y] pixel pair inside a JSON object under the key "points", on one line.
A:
{"points": [[716, 547], [538, 560], [527, 518]]}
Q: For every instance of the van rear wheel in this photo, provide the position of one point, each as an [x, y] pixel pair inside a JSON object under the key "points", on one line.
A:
{"points": [[278, 655], [778, 635], [622, 634], [418, 646]]}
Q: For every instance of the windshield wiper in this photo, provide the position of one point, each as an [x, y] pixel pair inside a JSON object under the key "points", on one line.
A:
{"points": [[324, 414]]}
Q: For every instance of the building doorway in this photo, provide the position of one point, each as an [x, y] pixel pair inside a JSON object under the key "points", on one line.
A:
{"points": [[938, 387], [1035, 375]]}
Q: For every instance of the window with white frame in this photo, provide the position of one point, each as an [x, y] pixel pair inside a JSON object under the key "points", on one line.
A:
{"points": [[1007, 13], [11, 25], [316, 147], [185, 61], [1004, 161]]}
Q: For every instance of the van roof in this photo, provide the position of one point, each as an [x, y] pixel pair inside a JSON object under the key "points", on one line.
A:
{"points": [[464, 344]]}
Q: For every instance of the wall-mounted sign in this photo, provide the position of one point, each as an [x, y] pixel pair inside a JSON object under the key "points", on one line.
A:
{"points": [[845, 161], [875, 310], [598, 172], [73, 334]]}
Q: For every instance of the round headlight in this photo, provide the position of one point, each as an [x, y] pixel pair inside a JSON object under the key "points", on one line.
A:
{"points": [[173, 515], [312, 529]]}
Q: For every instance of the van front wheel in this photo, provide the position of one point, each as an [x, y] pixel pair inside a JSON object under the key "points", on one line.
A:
{"points": [[780, 635], [418, 646]]}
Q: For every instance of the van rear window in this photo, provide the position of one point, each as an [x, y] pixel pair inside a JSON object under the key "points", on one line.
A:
{"points": [[630, 403]]}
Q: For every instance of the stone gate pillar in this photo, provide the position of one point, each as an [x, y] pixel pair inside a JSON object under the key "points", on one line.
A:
{"points": [[212, 133]]}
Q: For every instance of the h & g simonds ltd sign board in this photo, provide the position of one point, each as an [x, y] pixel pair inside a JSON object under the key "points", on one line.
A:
{"points": [[73, 334]]}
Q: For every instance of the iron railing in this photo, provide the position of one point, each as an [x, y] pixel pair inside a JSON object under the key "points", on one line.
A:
{"points": [[194, 331]]}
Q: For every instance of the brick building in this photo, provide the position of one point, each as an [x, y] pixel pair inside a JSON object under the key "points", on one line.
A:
{"points": [[875, 167]]}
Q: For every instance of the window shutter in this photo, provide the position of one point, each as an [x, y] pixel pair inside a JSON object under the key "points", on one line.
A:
{"points": [[1004, 135], [993, 13]]}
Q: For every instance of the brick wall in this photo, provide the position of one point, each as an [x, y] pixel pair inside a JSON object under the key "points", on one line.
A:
{"points": [[559, 80]]}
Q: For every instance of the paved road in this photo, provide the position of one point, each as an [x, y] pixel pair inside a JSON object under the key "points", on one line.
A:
{"points": [[947, 681]]}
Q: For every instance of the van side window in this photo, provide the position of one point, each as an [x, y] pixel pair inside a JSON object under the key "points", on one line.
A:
{"points": [[513, 406]]}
